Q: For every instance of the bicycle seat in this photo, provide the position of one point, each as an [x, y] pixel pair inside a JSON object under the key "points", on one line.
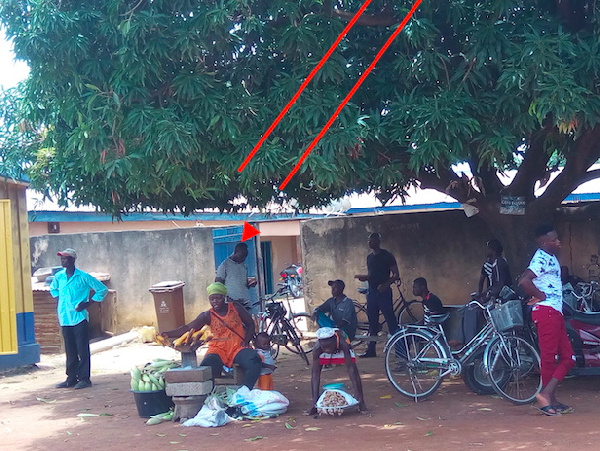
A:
{"points": [[592, 318], [437, 319]]}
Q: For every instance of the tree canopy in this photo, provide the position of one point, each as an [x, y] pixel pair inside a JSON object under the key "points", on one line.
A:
{"points": [[155, 103]]}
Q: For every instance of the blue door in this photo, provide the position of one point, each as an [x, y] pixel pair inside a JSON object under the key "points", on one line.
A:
{"points": [[265, 250], [224, 241]]}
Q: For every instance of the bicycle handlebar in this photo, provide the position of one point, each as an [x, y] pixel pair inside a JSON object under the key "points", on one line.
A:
{"points": [[476, 303]]}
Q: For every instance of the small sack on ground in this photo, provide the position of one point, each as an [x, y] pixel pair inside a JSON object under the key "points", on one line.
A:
{"points": [[334, 401], [259, 403], [211, 415]]}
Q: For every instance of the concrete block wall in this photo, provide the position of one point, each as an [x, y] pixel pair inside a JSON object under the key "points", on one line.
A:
{"points": [[136, 260], [445, 247]]}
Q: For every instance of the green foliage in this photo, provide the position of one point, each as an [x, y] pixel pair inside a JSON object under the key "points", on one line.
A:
{"points": [[16, 134], [155, 103]]}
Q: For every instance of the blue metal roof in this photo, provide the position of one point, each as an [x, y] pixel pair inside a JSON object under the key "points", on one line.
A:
{"points": [[439, 205], [582, 197], [76, 216], [21, 179]]}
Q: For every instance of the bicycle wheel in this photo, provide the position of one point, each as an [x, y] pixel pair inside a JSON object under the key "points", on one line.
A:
{"points": [[514, 368], [414, 363], [305, 328], [475, 375], [293, 343], [410, 312], [361, 316]]}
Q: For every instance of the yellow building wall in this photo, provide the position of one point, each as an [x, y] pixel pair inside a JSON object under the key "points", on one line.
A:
{"points": [[16, 297], [8, 318]]}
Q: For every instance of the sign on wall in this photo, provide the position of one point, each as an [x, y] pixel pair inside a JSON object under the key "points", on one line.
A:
{"points": [[512, 205]]}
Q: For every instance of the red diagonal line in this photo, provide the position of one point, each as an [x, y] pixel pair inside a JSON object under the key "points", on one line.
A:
{"points": [[303, 85], [350, 94]]}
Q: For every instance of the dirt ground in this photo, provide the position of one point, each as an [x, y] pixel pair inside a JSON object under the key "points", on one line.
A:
{"points": [[36, 416]]}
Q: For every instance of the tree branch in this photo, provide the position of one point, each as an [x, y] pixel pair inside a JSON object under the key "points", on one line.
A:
{"points": [[448, 182], [532, 168], [384, 19], [572, 13], [490, 181], [585, 154], [589, 175]]}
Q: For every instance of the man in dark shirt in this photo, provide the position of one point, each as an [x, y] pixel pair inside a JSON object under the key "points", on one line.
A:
{"points": [[500, 276], [432, 305], [496, 272], [337, 311], [382, 272]]}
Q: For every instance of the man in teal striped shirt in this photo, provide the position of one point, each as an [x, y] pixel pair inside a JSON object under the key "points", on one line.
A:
{"points": [[72, 288]]}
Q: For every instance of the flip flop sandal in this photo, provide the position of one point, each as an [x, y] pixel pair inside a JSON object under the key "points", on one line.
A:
{"points": [[562, 408], [546, 410]]}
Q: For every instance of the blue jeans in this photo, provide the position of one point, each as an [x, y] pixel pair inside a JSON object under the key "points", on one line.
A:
{"points": [[376, 302]]}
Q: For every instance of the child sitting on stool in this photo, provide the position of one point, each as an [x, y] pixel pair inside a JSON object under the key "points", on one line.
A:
{"points": [[262, 343]]}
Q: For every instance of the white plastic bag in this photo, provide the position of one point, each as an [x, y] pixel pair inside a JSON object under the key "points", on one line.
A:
{"points": [[211, 415], [259, 403], [350, 400]]}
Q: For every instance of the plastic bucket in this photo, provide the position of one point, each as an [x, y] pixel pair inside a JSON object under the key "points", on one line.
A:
{"points": [[335, 386], [151, 403]]}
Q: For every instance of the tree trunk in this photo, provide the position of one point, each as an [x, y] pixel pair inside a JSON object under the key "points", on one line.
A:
{"points": [[515, 232]]}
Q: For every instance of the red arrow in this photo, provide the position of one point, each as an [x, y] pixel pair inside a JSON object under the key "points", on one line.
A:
{"points": [[249, 232]]}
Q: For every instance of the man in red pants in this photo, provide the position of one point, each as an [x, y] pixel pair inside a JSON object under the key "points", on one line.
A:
{"points": [[542, 282]]}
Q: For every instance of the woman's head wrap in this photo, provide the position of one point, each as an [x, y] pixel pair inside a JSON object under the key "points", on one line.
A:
{"points": [[216, 288]]}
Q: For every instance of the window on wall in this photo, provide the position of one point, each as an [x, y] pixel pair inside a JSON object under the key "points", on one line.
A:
{"points": [[54, 227]]}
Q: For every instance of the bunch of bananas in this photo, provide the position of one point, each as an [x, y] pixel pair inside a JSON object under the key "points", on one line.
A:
{"points": [[190, 339], [151, 376]]}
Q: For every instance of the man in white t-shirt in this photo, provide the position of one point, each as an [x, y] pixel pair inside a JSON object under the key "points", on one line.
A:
{"points": [[233, 273], [541, 280]]}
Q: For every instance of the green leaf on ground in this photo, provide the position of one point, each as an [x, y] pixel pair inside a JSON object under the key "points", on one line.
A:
{"points": [[47, 401], [428, 434], [399, 404], [253, 439], [289, 426]]}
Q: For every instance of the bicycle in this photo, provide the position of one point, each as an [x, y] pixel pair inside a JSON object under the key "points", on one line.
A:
{"points": [[417, 358], [407, 312], [285, 327], [586, 296]]}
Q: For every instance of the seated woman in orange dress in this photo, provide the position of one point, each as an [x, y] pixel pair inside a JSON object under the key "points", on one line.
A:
{"points": [[232, 328]]}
